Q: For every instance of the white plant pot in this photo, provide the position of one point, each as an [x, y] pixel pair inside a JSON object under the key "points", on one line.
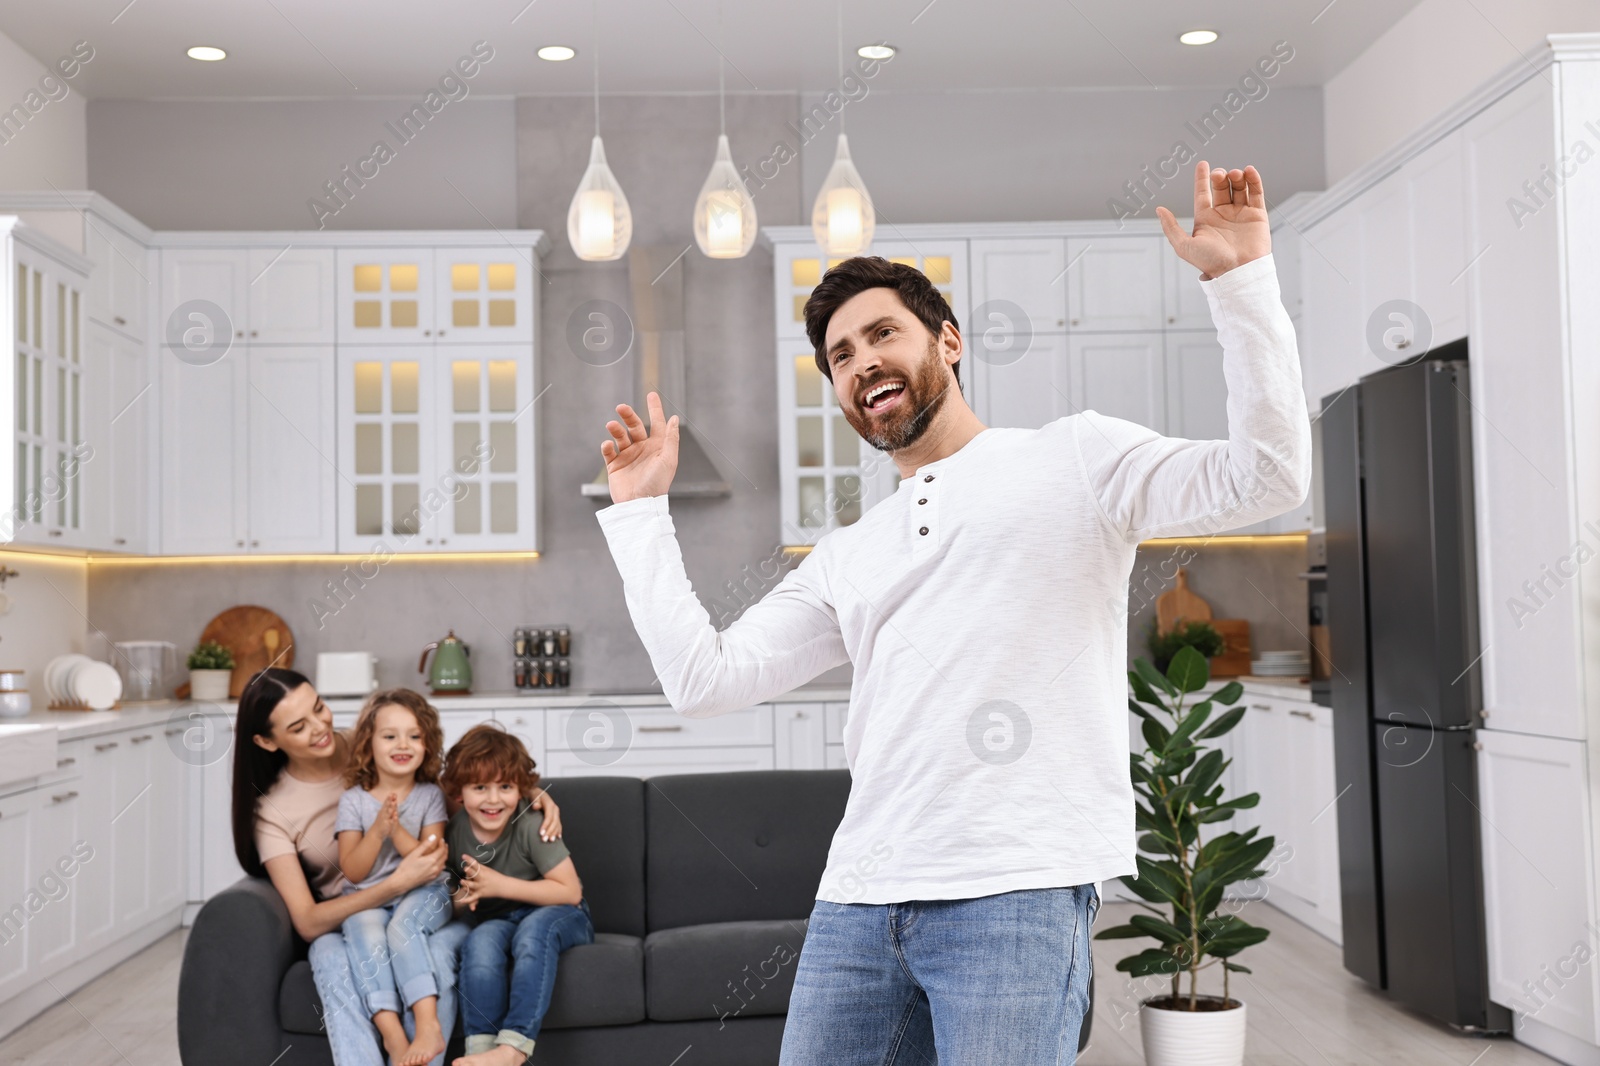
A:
{"points": [[1192, 1038], [210, 685]]}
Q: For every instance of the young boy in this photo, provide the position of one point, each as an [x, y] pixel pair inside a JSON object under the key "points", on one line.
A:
{"points": [[521, 895]]}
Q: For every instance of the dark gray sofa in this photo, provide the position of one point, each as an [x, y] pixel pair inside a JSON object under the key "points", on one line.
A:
{"points": [[699, 886]]}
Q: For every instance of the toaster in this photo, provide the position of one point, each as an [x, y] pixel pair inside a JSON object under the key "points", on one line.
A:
{"points": [[346, 673]]}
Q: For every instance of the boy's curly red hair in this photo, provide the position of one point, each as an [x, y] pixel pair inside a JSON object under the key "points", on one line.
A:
{"points": [[486, 754], [361, 773]]}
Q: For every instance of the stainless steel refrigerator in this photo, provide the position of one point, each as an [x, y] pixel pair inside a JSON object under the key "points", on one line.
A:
{"points": [[1402, 613]]}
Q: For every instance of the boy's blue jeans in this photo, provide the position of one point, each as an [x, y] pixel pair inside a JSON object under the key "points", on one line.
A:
{"points": [[389, 959], [508, 972]]}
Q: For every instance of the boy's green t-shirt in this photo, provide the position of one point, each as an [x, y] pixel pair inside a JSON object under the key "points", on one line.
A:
{"points": [[518, 853]]}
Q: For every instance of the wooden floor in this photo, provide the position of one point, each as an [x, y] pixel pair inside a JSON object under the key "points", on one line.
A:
{"points": [[1303, 1009]]}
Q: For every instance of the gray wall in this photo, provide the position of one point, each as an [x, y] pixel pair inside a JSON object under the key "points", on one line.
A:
{"points": [[955, 157]]}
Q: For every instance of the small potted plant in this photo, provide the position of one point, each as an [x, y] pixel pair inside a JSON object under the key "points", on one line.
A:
{"points": [[1184, 869], [1201, 636], [210, 670]]}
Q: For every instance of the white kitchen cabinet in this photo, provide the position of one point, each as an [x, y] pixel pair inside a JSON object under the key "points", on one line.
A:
{"points": [[484, 295], [385, 295], [213, 864], [57, 826], [291, 497], [1114, 283], [248, 452], [205, 294], [1539, 900], [168, 869], [528, 727], [95, 884], [133, 825], [1437, 232], [1334, 327], [799, 735], [119, 285], [1122, 375], [834, 758], [1197, 392], [120, 406], [437, 443], [49, 445], [1383, 215], [1030, 391], [16, 882], [650, 762], [1026, 272], [292, 295]]}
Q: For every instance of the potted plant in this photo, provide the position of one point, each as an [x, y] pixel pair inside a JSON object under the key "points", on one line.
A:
{"points": [[1201, 636], [210, 670], [1185, 870]]}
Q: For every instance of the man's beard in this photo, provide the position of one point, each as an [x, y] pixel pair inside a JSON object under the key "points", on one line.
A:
{"points": [[903, 426]]}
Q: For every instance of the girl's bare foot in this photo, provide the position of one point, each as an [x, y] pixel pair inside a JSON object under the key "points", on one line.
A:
{"points": [[428, 1044], [395, 1041], [499, 1055]]}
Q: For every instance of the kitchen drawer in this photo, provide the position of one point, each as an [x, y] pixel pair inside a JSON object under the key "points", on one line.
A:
{"points": [[602, 726], [69, 762], [834, 714], [651, 762]]}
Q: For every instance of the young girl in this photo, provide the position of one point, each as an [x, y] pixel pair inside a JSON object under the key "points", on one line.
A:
{"points": [[520, 892], [392, 804]]}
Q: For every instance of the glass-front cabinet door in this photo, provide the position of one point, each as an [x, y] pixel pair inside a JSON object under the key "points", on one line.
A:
{"points": [[385, 295], [484, 294], [486, 432], [48, 447], [391, 495]]}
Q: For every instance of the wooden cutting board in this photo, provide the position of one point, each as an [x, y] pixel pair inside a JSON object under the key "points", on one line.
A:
{"points": [[1178, 602], [1235, 658], [258, 639]]}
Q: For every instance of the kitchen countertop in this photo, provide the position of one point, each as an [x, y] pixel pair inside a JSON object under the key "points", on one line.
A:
{"points": [[537, 699], [71, 725]]}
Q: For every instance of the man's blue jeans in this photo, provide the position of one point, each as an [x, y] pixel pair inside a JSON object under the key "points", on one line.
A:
{"points": [[966, 982], [508, 972]]}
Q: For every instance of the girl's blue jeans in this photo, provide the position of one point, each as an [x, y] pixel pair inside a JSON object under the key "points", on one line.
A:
{"points": [[388, 945], [508, 972]]}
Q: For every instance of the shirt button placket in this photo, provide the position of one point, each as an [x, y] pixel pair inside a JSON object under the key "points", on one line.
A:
{"points": [[923, 516]]}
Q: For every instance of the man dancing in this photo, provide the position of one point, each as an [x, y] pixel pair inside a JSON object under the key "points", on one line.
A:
{"points": [[990, 788]]}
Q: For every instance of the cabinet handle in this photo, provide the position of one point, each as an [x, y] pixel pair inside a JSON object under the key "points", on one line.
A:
{"points": [[1302, 714], [661, 729], [68, 761], [1403, 344], [443, 541], [1172, 318], [240, 543], [1260, 707], [1074, 322], [55, 532], [119, 320], [441, 333], [427, 333], [255, 544], [239, 333], [141, 739], [172, 732], [64, 797], [119, 540], [105, 747], [254, 333]]}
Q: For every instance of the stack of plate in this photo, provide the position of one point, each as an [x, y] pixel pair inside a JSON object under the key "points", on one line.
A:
{"points": [[82, 681], [1281, 664]]}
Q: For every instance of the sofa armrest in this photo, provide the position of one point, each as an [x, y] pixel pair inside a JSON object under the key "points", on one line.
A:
{"points": [[239, 948]]}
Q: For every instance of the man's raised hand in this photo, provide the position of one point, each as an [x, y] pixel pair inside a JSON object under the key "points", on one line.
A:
{"points": [[641, 462], [1230, 221]]}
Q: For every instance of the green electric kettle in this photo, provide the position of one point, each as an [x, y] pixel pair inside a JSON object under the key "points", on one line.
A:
{"points": [[451, 674]]}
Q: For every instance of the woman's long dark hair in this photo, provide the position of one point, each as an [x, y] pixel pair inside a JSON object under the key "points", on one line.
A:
{"points": [[255, 769]]}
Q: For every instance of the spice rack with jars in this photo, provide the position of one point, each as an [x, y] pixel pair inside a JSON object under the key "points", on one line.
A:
{"points": [[542, 657]]}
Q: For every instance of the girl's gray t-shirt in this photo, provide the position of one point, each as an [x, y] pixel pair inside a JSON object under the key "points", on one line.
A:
{"points": [[358, 809]]}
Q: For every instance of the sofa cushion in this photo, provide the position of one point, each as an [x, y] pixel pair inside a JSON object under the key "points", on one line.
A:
{"points": [[733, 847], [600, 983], [602, 824], [299, 1006], [724, 970]]}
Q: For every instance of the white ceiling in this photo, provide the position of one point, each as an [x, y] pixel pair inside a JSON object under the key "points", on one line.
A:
{"points": [[332, 48], [344, 48]]}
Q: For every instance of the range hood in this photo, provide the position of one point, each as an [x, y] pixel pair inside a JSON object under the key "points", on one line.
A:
{"points": [[655, 278]]}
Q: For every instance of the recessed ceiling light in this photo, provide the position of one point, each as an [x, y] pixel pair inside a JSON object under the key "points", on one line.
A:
{"points": [[1198, 37], [876, 51], [555, 53], [207, 54]]}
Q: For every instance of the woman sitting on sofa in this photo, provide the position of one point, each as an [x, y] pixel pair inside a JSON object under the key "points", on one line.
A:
{"points": [[288, 769]]}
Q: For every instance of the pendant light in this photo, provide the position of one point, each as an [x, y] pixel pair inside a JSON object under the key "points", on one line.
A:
{"points": [[842, 218], [724, 214], [599, 223]]}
